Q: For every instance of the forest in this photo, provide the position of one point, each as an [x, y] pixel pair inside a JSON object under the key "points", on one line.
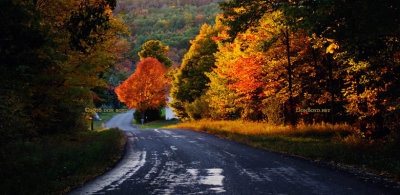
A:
{"points": [[295, 62], [54, 55]]}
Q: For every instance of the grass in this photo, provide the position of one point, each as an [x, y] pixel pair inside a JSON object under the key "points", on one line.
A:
{"points": [[57, 164], [158, 124], [333, 143], [98, 125]]}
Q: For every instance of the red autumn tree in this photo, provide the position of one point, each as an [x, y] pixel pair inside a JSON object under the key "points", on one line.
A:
{"points": [[146, 88]]}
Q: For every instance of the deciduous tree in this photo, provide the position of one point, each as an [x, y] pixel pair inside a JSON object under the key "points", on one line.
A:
{"points": [[146, 88], [190, 81]]}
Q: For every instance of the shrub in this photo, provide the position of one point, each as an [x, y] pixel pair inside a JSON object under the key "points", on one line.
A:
{"points": [[274, 111], [198, 109]]}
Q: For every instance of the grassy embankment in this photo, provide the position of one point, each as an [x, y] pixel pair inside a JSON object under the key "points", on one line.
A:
{"points": [[333, 143], [55, 165], [158, 124]]}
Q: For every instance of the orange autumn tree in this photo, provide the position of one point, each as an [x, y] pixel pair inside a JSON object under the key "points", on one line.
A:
{"points": [[262, 70], [146, 88]]}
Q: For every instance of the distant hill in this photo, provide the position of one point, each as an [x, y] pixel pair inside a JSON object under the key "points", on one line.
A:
{"points": [[132, 5]]}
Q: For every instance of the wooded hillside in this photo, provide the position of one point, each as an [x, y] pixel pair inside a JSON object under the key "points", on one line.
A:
{"points": [[173, 22], [132, 5]]}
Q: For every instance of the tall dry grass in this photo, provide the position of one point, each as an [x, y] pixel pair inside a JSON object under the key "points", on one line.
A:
{"points": [[263, 128]]}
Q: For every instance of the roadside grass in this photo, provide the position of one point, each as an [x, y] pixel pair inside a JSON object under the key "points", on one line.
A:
{"points": [[134, 122], [335, 144], [158, 124], [105, 116], [57, 164]]}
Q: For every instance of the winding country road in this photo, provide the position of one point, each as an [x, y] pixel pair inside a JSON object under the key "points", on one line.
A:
{"points": [[159, 161]]}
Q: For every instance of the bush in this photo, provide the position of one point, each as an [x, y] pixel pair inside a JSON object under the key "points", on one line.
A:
{"points": [[198, 109], [274, 111]]}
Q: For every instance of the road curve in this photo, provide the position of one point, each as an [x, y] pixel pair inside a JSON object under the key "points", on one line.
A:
{"points": [[159, 161]]}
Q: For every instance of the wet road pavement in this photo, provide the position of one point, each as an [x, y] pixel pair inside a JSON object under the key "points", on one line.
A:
{"points": [[177, 161]]}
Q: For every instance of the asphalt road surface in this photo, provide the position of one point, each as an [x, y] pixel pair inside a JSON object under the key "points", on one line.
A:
{"points": [[159, 161]]}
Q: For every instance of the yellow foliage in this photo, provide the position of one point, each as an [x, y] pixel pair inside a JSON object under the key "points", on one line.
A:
{"points": [[332, 47]]}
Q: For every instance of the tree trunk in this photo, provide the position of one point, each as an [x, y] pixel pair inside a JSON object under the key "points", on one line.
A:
{"points": [[331, 88], [289, 69], [362, 106]]}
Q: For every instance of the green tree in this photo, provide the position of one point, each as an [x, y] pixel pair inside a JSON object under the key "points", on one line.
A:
{"points": [[221, 98], [190, 81], [155, 49], [47, 73]]}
